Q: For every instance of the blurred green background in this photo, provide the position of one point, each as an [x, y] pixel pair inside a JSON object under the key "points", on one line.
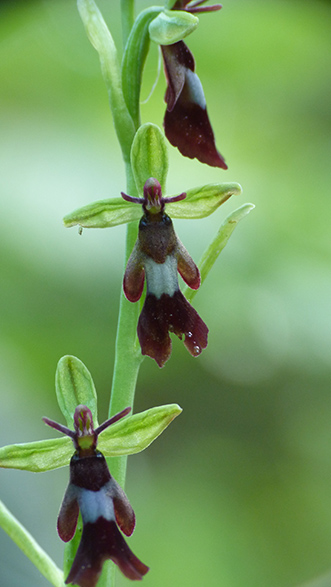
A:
{"points": [[237, 492]]}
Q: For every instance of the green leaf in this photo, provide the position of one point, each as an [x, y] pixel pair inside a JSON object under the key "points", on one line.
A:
{"points": [[202, 201], [101, 39], [134, 58], [210, 255], [137, 432], [171, 26], [149, 156], [40, 456], [27, 544], [104, 214], [74, 386]]}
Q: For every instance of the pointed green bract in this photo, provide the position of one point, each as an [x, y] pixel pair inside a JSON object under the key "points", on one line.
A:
{"points": [[103, 214], [210, 255], [74, 386], [203, 200], [134, 58], [171, 26], [149, 156], [137, 432]]}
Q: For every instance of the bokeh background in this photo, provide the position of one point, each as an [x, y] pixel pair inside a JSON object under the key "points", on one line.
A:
{"points": [[237, 492]]}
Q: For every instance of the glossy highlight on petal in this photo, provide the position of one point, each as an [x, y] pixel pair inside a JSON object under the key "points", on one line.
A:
{"points": [[186, 122], [170, 314]]}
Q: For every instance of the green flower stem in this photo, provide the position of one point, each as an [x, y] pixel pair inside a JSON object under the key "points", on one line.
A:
{"points": [[30, 547], [128, 359], [127, 12], [128, 356]]}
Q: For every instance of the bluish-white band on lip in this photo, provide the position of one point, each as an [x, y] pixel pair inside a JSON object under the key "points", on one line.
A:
{"points": [[194, 89], [161, 277], [95, 504]]}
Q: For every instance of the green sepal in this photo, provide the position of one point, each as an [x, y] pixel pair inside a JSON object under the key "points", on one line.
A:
{"points": [[39, 456], [149, 156], [171, 26], [134, 58], [103, 214], [203, 201], [74, 386], [217, 245], [137, 432], [199, 202], [128, 436]]}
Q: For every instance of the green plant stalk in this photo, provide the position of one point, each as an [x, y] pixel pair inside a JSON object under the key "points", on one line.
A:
{"points": [[128, 359], [30, 547], [128, 356], [127, 13]]}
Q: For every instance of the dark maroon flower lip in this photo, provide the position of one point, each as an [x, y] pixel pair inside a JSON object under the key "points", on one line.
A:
{"points": [[170, 314], [186, 122], [100, 541]]}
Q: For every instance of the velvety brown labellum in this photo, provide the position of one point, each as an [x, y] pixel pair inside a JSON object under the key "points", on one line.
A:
{"points": [[186, 121], [170, 314]]}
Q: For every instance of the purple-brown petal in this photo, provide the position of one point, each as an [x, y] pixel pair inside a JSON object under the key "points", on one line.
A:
{"points": [[101, 540], [169, 314], [124, 513], [134, 276], [186, 267], [68, 515]]}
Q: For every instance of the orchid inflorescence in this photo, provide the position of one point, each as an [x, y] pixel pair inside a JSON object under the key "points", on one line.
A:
{"points": [[155, 256]]}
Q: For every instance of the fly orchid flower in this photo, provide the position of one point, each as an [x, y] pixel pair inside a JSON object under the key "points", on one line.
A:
{"points": [[186, 121], [158, 255], [102, 503]]}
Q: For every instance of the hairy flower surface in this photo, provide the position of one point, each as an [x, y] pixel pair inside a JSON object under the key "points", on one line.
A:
{"points": [[157, 256], [102, 503]]}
